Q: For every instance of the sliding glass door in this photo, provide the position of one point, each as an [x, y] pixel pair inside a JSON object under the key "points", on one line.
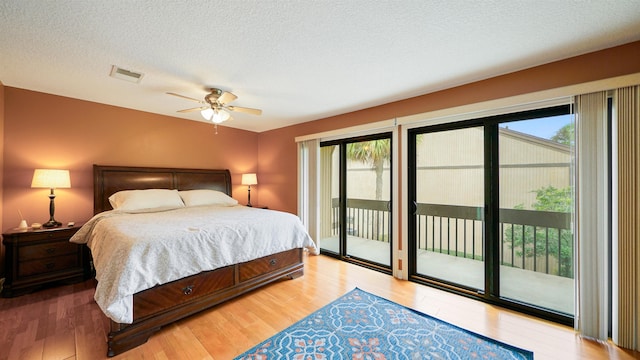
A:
{"points": [[448, 209], [492, 209], [536, 160], [356, 200]]}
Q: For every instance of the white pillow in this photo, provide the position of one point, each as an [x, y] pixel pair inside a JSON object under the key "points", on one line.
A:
{"points": [[206, 197], [131, 200]]}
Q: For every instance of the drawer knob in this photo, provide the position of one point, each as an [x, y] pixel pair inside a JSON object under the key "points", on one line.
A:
{"points": [[51, 250], [188, 290], [50, 265], [273, 262]]}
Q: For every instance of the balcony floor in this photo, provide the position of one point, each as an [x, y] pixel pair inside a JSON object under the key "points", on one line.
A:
{"points": [[543, 290]]}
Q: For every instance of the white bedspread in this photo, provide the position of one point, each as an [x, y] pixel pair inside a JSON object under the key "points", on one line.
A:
{"points": [[134, 252]]}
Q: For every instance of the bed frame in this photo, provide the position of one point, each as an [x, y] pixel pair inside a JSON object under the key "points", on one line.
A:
{"points": [[167, 303]]}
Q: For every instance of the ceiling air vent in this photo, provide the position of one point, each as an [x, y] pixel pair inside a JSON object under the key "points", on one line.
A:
{"points": [[124, 74]]}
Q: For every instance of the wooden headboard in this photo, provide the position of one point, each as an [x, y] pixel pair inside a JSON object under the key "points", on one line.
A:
{"points": [[108, 180]]}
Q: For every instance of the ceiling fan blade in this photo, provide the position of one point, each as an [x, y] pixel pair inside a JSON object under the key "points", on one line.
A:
{"points": [[185, 97], [226, 98], [245, 110], [193, 109]]}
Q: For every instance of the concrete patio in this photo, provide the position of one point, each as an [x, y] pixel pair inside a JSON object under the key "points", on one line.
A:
{"points": [[539, 289]]}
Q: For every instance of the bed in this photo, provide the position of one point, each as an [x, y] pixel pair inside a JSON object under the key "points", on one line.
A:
{"points": [[170, 292]]}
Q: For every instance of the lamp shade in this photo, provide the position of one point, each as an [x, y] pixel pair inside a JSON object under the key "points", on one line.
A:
{"points": [[249, 179], [220, 116], [207, 113], [216, 116], [51, 179]]}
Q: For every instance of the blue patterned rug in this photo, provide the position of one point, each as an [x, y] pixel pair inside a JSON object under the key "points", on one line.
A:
{"points": [[360, 325]]}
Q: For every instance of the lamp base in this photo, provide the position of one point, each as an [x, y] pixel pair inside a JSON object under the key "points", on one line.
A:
{"points": [[52, 209], [51, 223]]}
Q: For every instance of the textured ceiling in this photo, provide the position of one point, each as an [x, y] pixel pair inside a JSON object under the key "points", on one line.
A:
{"points": [[296, 60]]}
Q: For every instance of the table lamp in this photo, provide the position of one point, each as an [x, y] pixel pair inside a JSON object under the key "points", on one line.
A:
{"points": [[249, 179], [51, 179]]}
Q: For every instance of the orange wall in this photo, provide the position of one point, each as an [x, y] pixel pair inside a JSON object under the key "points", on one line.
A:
{"points": [[1, 170], [277, 157], [1, 147], [42, 130], [47, 131]]}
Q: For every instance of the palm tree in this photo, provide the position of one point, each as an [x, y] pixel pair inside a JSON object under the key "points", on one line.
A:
{"points": [[373, 152]]}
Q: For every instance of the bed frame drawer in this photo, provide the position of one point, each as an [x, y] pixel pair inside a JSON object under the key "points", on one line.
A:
{"points": [[165, 296], [269, 263]]}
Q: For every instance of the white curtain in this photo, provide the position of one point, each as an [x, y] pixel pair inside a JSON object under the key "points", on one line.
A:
{"points": [[326, 157], [626, 270], [592, 216], [308, 195]]}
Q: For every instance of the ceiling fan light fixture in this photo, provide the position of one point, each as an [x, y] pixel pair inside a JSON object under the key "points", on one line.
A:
{"points": [[207, 113], [217, 116], [214, 107]]}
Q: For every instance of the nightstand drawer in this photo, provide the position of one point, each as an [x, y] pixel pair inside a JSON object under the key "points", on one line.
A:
{"points": [[59, 233], [41, 266], [59, 248]]}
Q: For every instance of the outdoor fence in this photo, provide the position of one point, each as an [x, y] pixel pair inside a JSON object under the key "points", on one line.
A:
{"points": [[533, 240]]}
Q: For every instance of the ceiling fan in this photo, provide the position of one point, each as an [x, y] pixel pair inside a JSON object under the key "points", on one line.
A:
{"points": [[215, 106]]}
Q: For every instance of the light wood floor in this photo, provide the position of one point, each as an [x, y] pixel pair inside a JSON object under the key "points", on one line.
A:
{"points": [[65, 323]]}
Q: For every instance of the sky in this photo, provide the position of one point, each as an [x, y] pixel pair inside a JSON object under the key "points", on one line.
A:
{"points": [[543, 127]]}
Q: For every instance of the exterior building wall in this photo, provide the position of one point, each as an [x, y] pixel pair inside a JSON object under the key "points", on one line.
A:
{"points": [[450, 169]]}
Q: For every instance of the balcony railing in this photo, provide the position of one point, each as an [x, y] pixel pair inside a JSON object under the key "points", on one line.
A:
{"points": [[367, 219], [540, 241]]}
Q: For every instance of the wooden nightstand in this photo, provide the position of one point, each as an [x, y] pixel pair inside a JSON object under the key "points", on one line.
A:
{"points": [[34, 258]]}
